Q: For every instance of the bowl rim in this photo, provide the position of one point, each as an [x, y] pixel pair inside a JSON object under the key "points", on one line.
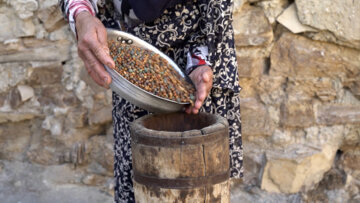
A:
{"points": [[143, 44]]}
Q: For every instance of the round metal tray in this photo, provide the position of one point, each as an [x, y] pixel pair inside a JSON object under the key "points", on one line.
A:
{"points": [[133, 93]]}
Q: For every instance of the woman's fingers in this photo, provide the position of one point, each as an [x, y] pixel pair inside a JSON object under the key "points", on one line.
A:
{"points": [[96, 69], [188, 110], [94, 75], [204, 86], [93, 48], [102, 37], [200, 95], [90, 71], [206, 77], [100, 53], [202, 78]]}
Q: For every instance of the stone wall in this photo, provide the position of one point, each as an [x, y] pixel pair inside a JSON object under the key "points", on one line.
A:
{"points": [[54, 121], [299, 66]]}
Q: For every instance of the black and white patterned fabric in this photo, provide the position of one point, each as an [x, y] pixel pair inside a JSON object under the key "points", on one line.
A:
{"points": [[178, 31]]}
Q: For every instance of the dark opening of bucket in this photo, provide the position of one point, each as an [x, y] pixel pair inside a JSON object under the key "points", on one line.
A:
{"points": [[179, 122]]}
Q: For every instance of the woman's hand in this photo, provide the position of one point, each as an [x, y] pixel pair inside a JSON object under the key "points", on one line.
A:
{"points": [[202, 78], [93, 48]]}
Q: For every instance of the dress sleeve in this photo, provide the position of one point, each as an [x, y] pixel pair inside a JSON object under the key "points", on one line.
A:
{"points": [[215, 18], [71, 8], [196, 57]]}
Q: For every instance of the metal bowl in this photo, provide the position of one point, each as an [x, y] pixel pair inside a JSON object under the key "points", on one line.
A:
{"points": [[135, 94]]}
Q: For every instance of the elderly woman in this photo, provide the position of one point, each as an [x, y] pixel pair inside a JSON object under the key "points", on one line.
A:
{"points": [[196, 34]]}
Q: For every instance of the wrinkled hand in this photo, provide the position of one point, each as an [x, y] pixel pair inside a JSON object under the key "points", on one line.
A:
{"points": [[93, 48], [202, 78]]}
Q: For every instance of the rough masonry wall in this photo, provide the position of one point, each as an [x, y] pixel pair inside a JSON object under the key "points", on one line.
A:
{"points": [[299, 66], [300, 101], [55, 123]]}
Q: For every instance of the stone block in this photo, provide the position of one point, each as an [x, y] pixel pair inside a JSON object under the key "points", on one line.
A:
{"points": [[297, 114], [10, 46], [100, 116], [56, 94], [283, 138], [17, 116], [24, 8], [248, 86], [251, 27], [351, 137], [271, 90], [47, 3], [338, 16], [252, 169], [333, 114], [298, 56], [354, 86], [3, 98], [46, 75], [11, 74], [327, 36], [14, 140], [334, 180], [238, 5], [26, 92], [13, 27], [308, 88], [45, 149], [250, 67], [69, 136], [320, 135], [61, 33], [289, 19], [52, 18], [94, 179], [14, 98], [350, 162], [75, 154], [296, 168], [254, 51], [101, 152], [40, 50], [77, 118], [30, 42], [255, 119], [273, 8]]}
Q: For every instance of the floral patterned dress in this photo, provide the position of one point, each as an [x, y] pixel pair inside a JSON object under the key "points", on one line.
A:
{"points": [[180, 30]]}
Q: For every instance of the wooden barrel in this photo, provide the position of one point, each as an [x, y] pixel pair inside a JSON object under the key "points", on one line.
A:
{"points": [[180, 158]]}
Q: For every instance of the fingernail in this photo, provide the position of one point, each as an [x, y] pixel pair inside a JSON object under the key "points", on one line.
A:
{"points": [[110, 65], [106, 80]]}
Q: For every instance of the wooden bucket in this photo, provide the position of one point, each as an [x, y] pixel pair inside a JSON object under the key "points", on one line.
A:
{"points": [[180, 158]]}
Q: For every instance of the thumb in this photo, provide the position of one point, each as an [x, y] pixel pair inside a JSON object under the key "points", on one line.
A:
{"points": [[101, 34], [102, 37], [206, 77]]}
